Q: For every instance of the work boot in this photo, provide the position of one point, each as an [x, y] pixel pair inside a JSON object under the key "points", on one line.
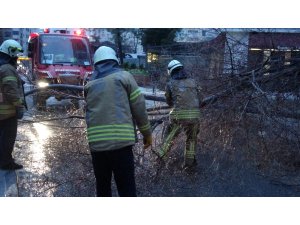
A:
{"points": [[11, 166]]}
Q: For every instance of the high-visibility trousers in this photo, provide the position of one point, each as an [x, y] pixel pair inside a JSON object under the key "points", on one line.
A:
{"points": [[173, 130]]}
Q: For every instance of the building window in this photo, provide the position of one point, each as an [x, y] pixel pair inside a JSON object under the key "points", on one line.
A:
{"points": [[151, 57], [15, 32], [193, 31], [7, 34]]}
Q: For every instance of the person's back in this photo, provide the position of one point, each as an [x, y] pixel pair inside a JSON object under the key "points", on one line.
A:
{"points": [[114, 105], [183, 96], [109, 106]]}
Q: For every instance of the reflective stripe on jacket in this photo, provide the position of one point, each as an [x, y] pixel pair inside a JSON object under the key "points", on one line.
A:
{"points": [[183, 96], [11, 91], [114, 132], [114, 105], [185, 114]]}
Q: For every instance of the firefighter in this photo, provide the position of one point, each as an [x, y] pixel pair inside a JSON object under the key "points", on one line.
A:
{"points": [[114, 104], [11, 102], [183, 95]]}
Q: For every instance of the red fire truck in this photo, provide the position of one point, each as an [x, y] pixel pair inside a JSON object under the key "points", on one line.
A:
{"points": [[59, 57]]}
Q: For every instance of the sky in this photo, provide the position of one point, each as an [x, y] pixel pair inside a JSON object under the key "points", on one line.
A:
{"points": [[150, 14]]}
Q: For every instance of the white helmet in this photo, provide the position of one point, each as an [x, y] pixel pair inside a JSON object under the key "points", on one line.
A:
{"points": [[104, 53], [11, 48], [173, 65]]}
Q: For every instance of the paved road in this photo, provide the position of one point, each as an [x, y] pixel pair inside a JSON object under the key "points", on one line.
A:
{"points": [[57, 162], [54, 154], [8, 184]]}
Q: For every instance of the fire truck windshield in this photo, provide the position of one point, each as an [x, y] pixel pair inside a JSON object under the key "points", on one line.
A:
{"points": [[56, 49]]}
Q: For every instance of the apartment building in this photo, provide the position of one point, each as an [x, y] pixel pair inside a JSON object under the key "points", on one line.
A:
{"points": [[19, 34]]}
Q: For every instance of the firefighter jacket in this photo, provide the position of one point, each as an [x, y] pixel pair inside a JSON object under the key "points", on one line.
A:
{"points": [[11, 91], [183, 94], [114, 105]]}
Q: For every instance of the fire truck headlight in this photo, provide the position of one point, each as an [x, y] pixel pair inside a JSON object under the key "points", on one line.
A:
{"points": [[42, 84]]}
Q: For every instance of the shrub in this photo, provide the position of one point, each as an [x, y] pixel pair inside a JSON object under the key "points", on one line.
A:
{"points": [[132, 66], [126, 65]]}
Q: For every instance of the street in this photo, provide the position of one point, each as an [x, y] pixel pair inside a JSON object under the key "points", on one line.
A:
{"points": [[57, 163]]}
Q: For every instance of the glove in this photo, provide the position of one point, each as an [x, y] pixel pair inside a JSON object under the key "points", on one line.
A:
{"points": [[20, 112], [147, 141]]}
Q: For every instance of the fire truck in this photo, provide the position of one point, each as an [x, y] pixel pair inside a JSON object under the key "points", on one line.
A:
{"points": [[58, 56]]}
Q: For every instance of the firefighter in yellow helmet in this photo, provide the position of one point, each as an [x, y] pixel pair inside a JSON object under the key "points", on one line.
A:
{"points": [[183, 95], [11, 102], [115, 105]]}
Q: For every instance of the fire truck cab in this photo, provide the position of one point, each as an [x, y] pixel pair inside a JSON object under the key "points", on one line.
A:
{"points": [[59, 57]]}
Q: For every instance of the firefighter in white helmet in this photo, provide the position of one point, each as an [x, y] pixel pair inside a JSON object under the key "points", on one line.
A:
{"points": [[183, 95], [115, 105], [11, 102]]}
